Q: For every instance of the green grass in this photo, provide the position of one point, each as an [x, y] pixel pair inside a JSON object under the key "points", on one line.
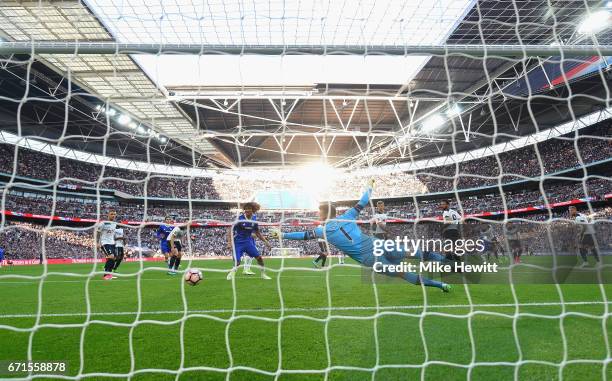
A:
{"points": [[136, 324]]}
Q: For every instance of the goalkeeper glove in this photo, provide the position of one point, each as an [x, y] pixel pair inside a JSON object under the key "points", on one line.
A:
{"points": [[371, 184]]}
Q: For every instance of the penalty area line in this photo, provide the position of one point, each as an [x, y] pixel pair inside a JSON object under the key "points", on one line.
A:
{"points": [[308, 309]]}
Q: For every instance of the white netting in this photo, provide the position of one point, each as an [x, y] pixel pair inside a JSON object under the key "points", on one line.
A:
{"points": [[287, 106]]}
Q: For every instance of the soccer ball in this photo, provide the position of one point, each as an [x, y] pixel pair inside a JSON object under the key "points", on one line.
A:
{"points": [[193, 277]]}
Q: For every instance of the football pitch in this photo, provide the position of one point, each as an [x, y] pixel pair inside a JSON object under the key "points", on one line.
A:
{"points": [[304, 324]]}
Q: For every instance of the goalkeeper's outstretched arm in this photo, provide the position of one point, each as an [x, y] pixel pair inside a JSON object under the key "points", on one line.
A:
{"points": [[300, 236], [353, 213]]}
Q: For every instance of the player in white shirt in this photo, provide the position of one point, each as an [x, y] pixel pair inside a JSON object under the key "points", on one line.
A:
{"points": [[176, 249], [450, 230], [586, 236], [378, 226], [119, 243], [106, 231]]}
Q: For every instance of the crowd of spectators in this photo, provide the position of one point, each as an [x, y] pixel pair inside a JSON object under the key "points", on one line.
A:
{"points": [[29, 240], [69, 172], [550, 156], [43, 204], [595, 188], [23, 240], [33, 241]]}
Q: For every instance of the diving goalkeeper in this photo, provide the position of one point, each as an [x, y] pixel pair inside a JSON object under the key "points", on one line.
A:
{"points": [[344, 233]]}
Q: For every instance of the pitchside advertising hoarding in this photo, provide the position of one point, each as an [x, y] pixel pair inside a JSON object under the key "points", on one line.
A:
{"points": [[69, 261]]}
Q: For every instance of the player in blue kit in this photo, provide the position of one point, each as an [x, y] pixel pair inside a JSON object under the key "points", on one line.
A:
{"points": [[241, 235], [344, 233], [163, 232]]}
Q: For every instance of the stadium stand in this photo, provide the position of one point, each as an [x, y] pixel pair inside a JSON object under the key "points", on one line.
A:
{"points": [[556, 155]]}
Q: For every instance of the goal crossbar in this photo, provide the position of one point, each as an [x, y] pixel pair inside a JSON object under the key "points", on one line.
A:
{"points": [[77, 47]]}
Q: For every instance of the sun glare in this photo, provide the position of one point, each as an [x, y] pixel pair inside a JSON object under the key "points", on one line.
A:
{"points": [[316, 178]]}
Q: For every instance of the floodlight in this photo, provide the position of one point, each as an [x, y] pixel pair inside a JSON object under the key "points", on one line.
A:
{"points": [[124, 119], [432, 123]]}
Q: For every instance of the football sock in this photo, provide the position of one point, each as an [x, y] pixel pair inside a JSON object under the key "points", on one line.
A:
{"points": [[583, 254], [118, 261], [323, 260], [171, 263], [108, 266], [177, 262], [247, 264]]}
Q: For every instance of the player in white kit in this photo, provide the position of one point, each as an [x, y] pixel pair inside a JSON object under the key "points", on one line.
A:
{"points": [[451, 229], [378, 226], [106, 231], [586, 236]]}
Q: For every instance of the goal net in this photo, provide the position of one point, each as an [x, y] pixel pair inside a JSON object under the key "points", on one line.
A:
{"points": [[330, 142]]}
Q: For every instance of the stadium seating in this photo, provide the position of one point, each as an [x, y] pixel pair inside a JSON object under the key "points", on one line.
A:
{"points": [[555, 155]]}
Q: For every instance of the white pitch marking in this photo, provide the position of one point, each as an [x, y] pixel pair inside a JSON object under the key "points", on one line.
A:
{"points": [[307, 309], [133, 277]]}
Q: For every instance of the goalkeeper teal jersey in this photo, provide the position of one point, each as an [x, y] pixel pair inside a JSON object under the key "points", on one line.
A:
{"points": [[344, 233]]}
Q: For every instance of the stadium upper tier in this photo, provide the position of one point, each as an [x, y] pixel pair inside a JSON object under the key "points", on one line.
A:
{"points": [[553, 155]]}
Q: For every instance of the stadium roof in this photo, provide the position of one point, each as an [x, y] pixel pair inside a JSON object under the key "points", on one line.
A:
{"points": [[232, 110]]}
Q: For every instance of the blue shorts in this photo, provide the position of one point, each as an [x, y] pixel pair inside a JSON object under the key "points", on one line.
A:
{"points": [[247, 248], [165, 247]]}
